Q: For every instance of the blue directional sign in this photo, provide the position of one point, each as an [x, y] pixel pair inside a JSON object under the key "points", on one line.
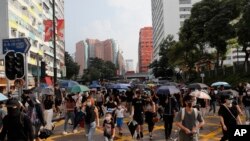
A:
{"points": [[21, 45]]}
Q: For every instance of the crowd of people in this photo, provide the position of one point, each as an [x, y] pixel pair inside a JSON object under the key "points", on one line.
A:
{"points": [[25, 118]]}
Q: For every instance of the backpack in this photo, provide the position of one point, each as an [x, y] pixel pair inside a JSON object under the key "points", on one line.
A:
{"points": [[183, 113]]}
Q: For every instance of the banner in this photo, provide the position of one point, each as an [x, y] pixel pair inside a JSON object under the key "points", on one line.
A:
{"points": [[48, 30], [60, 29]]}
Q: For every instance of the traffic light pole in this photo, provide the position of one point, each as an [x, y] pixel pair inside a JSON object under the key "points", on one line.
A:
{"points": [[26, 70]]}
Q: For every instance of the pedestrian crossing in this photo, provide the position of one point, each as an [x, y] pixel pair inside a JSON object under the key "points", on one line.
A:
{"points": [[211, 132]]}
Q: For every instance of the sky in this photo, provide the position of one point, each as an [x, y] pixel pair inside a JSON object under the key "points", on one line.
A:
{"points": [[120, 20]]}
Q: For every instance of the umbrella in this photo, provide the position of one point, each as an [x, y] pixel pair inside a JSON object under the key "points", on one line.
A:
{"points": [[79, 88], [120, 86], [200, 94], [132, 125], [163, 90], [47, 91], [95, 86], [229, 91], [197, 86], [220, 83], [3, 97], [67, 83]]}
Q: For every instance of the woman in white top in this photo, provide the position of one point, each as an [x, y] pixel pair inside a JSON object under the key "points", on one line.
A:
{"points": [[150, 114]]}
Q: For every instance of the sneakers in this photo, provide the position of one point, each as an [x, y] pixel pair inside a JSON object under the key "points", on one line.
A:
{"points": [[64, 133], [75, 131]]}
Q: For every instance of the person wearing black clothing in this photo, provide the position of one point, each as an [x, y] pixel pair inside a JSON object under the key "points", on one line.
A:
{"points": [[241, 89], [129, 93], [48, 111], [138, 113], [212, 101], [16, 125], [246, 103], [91, 119], [170, 108], [150, 113], [58, 99], [229, 116]]}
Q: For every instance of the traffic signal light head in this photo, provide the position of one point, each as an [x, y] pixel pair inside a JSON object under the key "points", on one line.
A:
{"points": [[9, 61], [43, 69], [19, 65]]}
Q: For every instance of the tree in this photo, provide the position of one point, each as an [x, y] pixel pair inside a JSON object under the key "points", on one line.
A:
{"points": [[99, 69], [72, 68], [162, 68], [243, 31]]}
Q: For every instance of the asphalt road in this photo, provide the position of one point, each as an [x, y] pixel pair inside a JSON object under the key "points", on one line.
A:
{"points": [[210, 132]]}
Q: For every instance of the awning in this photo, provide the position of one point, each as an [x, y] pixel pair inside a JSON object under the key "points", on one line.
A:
{"points": [[48, 80]]}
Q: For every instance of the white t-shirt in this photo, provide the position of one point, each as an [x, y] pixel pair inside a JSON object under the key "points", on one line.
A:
{"points": [[120, 113]]}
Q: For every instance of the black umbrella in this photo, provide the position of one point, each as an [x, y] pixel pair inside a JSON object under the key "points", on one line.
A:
{"points": [[197, 86], [132, 125]]}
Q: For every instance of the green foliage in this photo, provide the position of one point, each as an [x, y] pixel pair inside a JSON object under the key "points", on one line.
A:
{"points": [[99, 69], [161, 67], [72, 68]]}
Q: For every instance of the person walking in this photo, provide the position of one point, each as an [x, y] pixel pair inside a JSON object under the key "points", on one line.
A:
{"points": [[16, 125], [229, 116], [100, 102], [119, 114], [170, 108], [58, 100], [212, 101], [108, 128], [150, 113], [246, 103], [78, 111], [138, 113], [69, 112], [91, 119], [2, 114], [48, 104], [189, 120]]}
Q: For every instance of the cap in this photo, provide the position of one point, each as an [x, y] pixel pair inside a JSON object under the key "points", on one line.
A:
{"points": [[12, 102]]}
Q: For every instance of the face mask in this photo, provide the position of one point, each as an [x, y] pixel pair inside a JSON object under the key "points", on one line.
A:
{"points": [[107, 119], [88, 103], [229, 102]]}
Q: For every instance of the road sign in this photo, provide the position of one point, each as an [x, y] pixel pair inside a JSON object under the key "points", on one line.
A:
{"points": [[19, 83], [16, 44]]}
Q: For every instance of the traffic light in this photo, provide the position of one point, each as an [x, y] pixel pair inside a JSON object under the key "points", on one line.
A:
{"points": [[43, 69], [19, 65], [9, 61]]}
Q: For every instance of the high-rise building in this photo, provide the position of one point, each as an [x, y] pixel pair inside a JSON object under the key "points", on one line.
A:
{"points": [[106, 50], [167, 18], [129, 65], [81, 56], [24, 18], [145, 50]]}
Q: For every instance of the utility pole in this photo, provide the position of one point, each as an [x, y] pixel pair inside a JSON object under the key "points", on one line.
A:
{"points": [[54, 41]]}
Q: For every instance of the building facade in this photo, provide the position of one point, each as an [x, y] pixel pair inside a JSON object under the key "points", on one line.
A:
{"points": [[129, 63], [106, 50], [167, 18], [145, 50], [24, 19]]}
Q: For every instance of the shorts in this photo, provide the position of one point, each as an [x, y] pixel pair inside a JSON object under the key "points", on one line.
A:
{"points": [[139, 119], [58, 102], [119, 122]]}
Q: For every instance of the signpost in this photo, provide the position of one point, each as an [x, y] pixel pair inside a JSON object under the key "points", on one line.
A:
{"points": [[21, 45]]}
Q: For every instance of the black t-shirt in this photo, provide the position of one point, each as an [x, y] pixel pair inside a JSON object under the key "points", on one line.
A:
{"points": [[58, 94], [48, 104], [108, 128], [110, 106], [229, 119], [129, 95], [246, 100], [138, 104], [90, 114]]}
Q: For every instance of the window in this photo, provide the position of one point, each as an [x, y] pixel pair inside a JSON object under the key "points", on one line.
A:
{"points": [[185, 1], [13, 32]]}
